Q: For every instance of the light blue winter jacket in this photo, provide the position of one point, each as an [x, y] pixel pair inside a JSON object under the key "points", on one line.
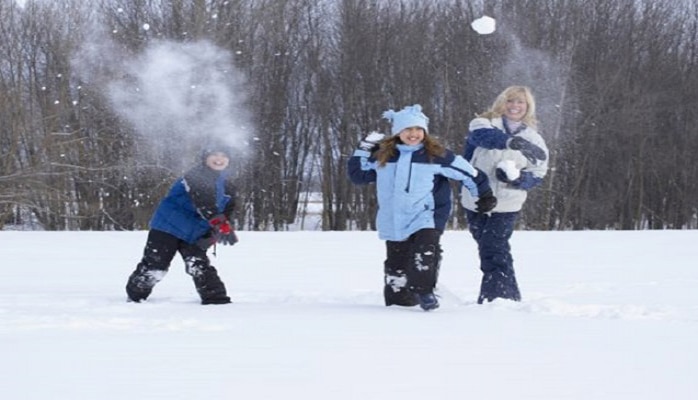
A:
{"points": [[413, 191]]}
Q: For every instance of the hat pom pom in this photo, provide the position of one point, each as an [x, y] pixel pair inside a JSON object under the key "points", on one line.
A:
{"points": [[389, 114]]}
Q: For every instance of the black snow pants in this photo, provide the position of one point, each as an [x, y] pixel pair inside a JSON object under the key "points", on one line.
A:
{"points": [[412, 266], [159, 252]]}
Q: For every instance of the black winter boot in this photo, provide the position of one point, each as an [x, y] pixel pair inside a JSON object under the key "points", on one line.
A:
{"points": [[208, 284], [141, 282], [400, 297], [395, 291], [217, 300], [211, 288], [428, 301]]}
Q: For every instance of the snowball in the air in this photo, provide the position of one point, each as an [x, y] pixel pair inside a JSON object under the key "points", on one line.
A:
{"points": [[483, 25]]}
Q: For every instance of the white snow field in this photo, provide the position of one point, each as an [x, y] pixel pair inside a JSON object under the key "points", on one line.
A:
{"points": [[605, 315]]}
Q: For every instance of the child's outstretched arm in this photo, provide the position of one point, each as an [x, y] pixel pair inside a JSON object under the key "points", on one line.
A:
{"points": [[456, 167], [361, 167], [474, 181]]}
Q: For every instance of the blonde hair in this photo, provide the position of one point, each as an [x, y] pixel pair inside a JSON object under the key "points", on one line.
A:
{"points": [[388, 148], [512, 92]]}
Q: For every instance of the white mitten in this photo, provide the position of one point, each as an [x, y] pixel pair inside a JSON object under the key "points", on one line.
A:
{"points": [[370, 142]]}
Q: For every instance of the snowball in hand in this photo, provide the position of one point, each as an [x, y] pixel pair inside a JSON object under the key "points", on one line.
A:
{"points": [[483, 25], [510, 169]]}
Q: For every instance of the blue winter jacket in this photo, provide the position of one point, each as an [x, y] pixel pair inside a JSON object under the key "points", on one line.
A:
{"points": [[192, 201], [413, 191]]}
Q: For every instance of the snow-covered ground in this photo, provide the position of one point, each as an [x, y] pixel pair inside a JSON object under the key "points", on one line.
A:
{"points": [[606, 315]]}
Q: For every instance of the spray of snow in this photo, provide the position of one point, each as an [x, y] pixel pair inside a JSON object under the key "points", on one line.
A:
{"points": [[174, 95], [546, 74], [182, 91]]}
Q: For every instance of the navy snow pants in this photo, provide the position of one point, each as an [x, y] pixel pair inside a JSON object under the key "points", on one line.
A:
{"points": [[492, 233]]}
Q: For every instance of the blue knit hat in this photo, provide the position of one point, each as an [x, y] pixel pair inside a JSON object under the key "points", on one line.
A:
{"points": [[408, 117]]}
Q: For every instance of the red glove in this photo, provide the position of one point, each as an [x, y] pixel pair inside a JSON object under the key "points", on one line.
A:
{"points": [[220, 224], [223, 231]]}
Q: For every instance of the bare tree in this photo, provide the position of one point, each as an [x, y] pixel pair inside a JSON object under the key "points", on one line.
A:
{"points": [[615, 84]]}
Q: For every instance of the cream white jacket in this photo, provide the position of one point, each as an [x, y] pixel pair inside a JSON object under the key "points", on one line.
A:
{"points": [[486, 156]]}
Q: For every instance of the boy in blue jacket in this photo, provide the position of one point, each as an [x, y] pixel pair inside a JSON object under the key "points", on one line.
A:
{"points": [[411, 170], [195, 214]]}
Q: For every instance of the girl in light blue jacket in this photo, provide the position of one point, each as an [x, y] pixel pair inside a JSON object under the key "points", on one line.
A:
{"points": [[411, 170]]}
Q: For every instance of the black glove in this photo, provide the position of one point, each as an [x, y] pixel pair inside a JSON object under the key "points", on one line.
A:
{"points": [[370, 141], [228, 239], [502, 177], [529, 150], [486, 202], [222, 230]]}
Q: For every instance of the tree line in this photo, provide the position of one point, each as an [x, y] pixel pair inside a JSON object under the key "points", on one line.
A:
{"points": [[615, 85]]}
